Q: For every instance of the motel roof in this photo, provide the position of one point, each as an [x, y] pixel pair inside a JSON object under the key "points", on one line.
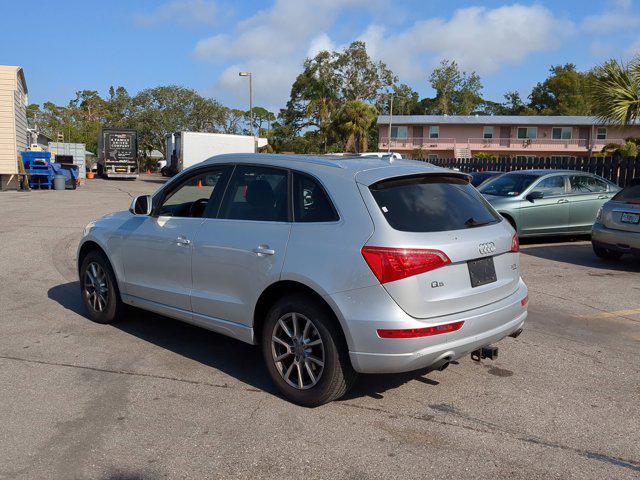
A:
{"points": [[554, 120]]}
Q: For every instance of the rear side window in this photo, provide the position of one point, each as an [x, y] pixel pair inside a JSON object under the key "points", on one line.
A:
{"points": [[629, 194], [256, 193], [310, 201], [586, 184], [429, 203]]}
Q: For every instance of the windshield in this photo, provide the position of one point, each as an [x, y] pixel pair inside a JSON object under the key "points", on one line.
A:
{"points": [[425, 203], [508, 185]]}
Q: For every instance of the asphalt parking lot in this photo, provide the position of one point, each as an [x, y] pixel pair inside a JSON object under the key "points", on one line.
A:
{"points": [[154, 398]]}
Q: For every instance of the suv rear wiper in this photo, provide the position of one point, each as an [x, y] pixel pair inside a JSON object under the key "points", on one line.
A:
{"points": [[472, 222]]}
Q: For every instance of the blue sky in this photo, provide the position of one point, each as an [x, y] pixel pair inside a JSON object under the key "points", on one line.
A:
{"points": [[71, 45]]}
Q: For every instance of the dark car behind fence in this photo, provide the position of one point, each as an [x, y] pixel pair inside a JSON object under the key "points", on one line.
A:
{"points": [[617, 169]]}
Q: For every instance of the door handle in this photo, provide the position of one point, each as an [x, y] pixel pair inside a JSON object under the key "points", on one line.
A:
{"points": [[563, 200], [602, 197], [182, 241], [263, 250]]}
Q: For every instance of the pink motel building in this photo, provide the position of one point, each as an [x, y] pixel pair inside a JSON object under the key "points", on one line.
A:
{"points": [[431, 137]]}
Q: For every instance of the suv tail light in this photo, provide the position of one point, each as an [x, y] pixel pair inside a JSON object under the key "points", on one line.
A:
{"points": [[390, 264], [515, 244]]}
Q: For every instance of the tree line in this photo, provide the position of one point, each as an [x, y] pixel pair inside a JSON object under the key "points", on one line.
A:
{"points": [[334, 103]]}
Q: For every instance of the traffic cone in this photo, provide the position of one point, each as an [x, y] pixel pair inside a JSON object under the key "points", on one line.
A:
{"points": [[199, 183]]}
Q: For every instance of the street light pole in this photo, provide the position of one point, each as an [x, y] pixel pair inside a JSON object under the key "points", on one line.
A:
{"points": [[253, 133], [390, 121]]}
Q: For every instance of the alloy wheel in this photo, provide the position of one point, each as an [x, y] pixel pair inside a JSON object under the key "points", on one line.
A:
{"points": [[96, 287], [298, 351]]}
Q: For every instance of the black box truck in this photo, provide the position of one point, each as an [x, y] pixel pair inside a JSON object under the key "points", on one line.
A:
{"points": [[118, 153]]}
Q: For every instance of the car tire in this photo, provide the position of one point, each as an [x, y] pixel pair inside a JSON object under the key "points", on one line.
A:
{"points": [[606, 253], [336, 374], [102, 297]]}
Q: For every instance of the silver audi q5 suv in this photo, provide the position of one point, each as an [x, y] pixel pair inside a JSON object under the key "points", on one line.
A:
{"points": [[332, 265]]}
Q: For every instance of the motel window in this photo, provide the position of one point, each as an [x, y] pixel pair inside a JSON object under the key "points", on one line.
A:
{"points": [[601, 134], [432, 157], [399, 132], [434, 131], [527, 132], [487, 132], [561, 133]]}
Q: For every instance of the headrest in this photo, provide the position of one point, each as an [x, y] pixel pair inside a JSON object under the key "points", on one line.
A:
{"points": [[260, 194]]}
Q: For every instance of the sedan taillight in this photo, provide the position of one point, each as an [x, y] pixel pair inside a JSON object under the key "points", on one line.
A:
{"points": [[390, 264], [515, 244]]}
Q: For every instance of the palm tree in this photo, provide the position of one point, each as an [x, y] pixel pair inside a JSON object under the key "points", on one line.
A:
{"points": [[354, 121], [615, 92]]}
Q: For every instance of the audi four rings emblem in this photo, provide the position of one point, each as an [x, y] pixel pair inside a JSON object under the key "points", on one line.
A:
{"points": [[488, 247]]}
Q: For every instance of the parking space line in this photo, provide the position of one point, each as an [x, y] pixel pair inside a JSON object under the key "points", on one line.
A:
{"points": [[617, 313]]}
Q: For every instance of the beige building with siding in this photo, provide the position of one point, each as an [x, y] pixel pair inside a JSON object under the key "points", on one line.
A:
{"points": [[13, 123]]}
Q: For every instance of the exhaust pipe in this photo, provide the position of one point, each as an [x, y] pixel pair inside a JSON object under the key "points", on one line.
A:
{"points": [[516, 334]]}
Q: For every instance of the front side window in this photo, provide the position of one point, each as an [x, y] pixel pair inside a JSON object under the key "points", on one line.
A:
{"points": [[561, 133], [310, 201], [192, 196], [487, 132], [399, 132], [434, 131], [587, 184], [551, 186], [601, 133], [527, 132], [256, 193], [428, 203]]}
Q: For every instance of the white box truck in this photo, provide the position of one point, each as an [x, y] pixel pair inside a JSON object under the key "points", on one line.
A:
{"points": [[185, 149]]}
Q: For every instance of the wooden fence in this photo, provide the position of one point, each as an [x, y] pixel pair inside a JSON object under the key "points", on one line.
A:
{"points": [[617, 169]]}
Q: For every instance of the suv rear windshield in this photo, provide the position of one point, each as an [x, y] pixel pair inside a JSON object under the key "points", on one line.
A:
{"points": [[431, 203]]}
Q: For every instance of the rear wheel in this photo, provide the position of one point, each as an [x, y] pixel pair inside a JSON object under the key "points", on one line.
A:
{"points": [[99, 289], [305, 353], [606, 253]]}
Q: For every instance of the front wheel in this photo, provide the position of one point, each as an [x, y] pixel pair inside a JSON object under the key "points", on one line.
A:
{"points": [[606, 253], [305, 353], [99, 289]]}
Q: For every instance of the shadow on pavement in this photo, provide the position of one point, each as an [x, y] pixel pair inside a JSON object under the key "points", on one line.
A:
{"points": [[582, 254], [233, 357], [154, 180]]}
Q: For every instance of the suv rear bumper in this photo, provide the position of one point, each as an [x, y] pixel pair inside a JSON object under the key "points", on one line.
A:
{"points": [[371, 354], [617, 240]]}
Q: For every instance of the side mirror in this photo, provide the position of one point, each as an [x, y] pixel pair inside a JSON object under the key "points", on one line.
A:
{"points": [[534, 196], [141, 205]]}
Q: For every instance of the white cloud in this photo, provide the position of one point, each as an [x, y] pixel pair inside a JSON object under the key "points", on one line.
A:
{"points": [[478, 38], [320, 43], [274, 42], [183, 12], [610, 22], [624, 4]]}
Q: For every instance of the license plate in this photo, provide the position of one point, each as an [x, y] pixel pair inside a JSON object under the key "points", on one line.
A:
{"points": [[630, 218], [121, 170], [482, 271]]}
